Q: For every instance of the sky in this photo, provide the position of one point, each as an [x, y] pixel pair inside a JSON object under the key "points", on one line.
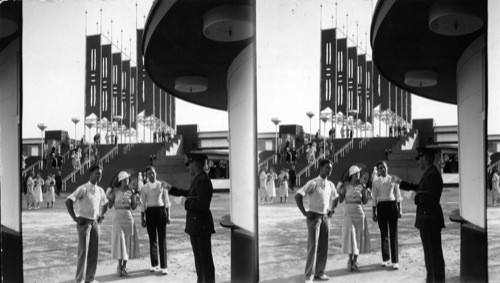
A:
{"points": [[288, 52]]}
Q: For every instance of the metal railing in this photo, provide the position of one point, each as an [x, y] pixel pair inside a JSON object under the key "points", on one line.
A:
{"points": [[128, 147], [494, 165], [298, 151], [307, 169], [72, 176], [110, 154], [32, 167], [66, 155], [363, 142], [342, 151], [266, 161], [86, 165]]}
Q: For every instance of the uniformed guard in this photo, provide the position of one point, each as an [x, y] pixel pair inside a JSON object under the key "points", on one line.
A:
{"points": [[199, 221], [429, 219]]}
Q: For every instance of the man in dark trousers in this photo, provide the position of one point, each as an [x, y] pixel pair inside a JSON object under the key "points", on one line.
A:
{"points": [[58, 183], [293, 177], [199, 221], [429, 218]]}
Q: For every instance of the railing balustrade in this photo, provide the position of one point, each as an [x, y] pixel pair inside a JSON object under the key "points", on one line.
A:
{"points": [[363, 142], [32, 167], [494, 165], [86, 165], [342, 151]]}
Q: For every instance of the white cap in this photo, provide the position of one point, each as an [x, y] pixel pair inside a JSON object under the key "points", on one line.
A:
{"points": [[353, 170], [122, 175]]}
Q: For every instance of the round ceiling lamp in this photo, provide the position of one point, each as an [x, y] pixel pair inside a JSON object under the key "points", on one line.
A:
{"points": [[420, 78], [228, 23], [454, 18], [7, 27], [191, 84]]}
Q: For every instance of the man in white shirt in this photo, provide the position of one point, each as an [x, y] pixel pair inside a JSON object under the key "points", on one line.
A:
{"points": [[320, 192], [90, 199]]}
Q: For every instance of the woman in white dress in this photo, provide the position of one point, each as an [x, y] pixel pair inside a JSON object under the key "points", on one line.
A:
{"points": [[30, 191], [283, 185], [263, 186], [271, 184], [124, 238], [355, 234], [37, 193], [495, 187]]}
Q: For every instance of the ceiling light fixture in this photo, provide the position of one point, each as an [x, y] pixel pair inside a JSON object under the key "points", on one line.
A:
{"points": [[228, 23], [191, 84], [454, 18], [420, 78]]}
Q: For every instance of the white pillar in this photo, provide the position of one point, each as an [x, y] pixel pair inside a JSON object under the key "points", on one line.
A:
{"points": [[242, 110], [471, 74]]}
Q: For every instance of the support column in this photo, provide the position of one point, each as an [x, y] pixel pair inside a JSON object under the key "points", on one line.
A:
{"points": [[471, 75], [242, 109]]}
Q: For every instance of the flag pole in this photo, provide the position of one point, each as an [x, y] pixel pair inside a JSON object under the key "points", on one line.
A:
{"points": [[113, 112]]}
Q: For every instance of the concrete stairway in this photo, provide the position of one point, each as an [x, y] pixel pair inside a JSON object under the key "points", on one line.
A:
{"points": [[367, 156], [137, 159]]}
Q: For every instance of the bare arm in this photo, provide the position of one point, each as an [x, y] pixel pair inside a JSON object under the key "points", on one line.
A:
{"points": [[71, 211], [300, 204]]}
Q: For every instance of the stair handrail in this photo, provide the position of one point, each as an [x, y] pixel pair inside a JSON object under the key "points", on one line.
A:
{"points": [[363, 142], [71, 176], [266, 161], [86, 164], [342, 151], [31, 167], [494, 165], [307, 169], [110, 154], [127, 148]]}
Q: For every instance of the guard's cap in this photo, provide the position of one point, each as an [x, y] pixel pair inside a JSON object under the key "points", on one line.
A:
{"points": [[425, 151], [122, 175], [200, 157]]}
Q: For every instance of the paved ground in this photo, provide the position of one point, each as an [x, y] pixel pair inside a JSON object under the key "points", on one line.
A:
{"points": [[493, 219], [49, 238]]}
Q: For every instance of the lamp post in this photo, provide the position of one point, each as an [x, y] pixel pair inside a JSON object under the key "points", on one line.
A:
{"points": [[118, 118], [276, 121], [310, 114], [42, 128], [324, 118], [355, 122], [75, 120], [89, 125]]}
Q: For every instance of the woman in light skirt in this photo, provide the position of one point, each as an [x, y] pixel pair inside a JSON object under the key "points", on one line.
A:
{"points": [[355, 234], [124, 238]]}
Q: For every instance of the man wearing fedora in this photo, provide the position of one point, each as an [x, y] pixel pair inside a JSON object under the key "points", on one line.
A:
{"points": [[199, 221], [429, 218]]}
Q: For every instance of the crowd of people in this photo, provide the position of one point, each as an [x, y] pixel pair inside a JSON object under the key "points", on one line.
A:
{"points": [[272, 185], [162, 136], [129, 191], [382, 191], [38, 190]]}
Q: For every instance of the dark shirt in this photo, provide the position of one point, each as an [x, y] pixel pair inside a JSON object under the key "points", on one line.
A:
{"points": [[199, 219], [429, 190], [58, 181], [291, 173]]}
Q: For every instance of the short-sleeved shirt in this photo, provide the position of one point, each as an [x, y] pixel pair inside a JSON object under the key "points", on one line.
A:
{"points": [[154, 195], [385, 189], [89, 199], [494, 181], [320, 193]]}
